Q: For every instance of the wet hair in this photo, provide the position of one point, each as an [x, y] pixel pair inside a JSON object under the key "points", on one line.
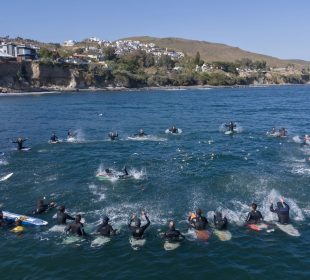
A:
{"points": [[105, 219], [137, 222], [198, 211], [254, 206], [279, 204], [62, 208], [218, 215], [78, 218]]}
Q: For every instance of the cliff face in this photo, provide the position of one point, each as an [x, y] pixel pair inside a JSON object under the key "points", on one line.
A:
{"points": [[38, 76], [34, 75]]}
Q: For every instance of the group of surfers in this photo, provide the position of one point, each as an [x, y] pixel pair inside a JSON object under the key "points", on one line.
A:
{"points": [[196, 221]]}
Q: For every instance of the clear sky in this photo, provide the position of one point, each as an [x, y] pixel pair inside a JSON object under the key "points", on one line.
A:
{"points": [[280, 28]]}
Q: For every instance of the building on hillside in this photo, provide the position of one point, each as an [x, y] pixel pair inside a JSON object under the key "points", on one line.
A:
{"points": [[69, 43], [21, 52]]}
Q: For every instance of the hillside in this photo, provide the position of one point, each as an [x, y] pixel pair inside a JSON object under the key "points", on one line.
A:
{"points": [[211, 52]]}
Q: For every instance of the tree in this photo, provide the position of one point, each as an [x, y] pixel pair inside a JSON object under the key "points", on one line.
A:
{"points": [[109, 53]]}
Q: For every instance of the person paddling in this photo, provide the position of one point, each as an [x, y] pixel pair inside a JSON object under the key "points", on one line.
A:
{"points": [[282, 210], [254, 216]]}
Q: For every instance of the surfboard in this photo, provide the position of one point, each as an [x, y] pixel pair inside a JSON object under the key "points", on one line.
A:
{"points": [[257, 227], [229, 132], [57, 228], [25, 149], [26, 220], [169, 246], [71, 139], [104, 177], [71, 239], [4, 178], [289, 229], [53, 142], [203, 234], [100, 241], [223, 235], [136, 244], [18, 229]]}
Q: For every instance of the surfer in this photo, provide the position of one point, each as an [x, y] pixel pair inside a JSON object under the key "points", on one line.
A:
{"points": [[306, 138], [19, 141], [54, 138], [62, 216], [76, 227], [141, 133], [255, 216], [42, 207], [282, 132], [71, 134], [134, 225], [197, 221], [231, 126], [282, 210], [220, 223], [3, 222], [172, 234], [113, 135], [173, 129], [105, 229]]}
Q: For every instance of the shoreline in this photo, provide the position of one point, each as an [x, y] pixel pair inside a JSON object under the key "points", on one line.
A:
{"points": [[44, 91]]}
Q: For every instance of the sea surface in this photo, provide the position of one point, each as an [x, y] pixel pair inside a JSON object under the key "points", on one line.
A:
{"points": [[172, 176]]}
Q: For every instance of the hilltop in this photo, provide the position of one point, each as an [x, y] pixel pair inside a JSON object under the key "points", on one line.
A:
{"points": [[211, 52]]}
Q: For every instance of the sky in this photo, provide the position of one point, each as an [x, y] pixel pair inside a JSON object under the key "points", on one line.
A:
{"points": [[279, 28]]}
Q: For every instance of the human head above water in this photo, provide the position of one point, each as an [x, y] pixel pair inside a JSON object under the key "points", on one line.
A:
{"points": [[254, 206]]}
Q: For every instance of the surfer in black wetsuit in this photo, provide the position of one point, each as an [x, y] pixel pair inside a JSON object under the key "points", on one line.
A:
{"points": [[172, 234], [76, 227], [255, 216], [136, 229], [105, 229], [282, 210], [173, 129], [141, 133], [231, 126], [220, 223], [54, 138], [113, 135], [42, 207], [19, 141], [62, 216], [197, 221]]}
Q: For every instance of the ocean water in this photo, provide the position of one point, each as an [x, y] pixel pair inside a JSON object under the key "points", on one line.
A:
{"points": [[172, 175]]}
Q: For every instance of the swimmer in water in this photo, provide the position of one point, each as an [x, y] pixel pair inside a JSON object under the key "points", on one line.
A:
{"points": [[172, 234], [197, 221], [254, 216], [76, 228], [105, 229], [220, 222], [135, 227], [282, 210], [62, 216], [113, 135], [19, 141]]}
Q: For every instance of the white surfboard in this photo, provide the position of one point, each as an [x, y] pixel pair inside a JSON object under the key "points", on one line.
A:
{"points": [[100, 241], [223, 235], [169, 246], [289, 229], [4, 178], [57, 228], [71, 239], [136, 244]]}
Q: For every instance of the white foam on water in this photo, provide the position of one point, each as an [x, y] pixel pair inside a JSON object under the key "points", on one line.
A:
{"points": [[3, 161], [297, 139], [147, 138], [238, 129], [167, 131], [98, 191], [57, 228], [79, 136]]}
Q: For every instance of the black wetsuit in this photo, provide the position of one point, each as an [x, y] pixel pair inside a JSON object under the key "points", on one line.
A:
{"points": [[220, 223], [105, 229], [254, 217], [199, 223], [76, 228], [173, 235], [231, 126], [283, 213], [173, 130], [62, 218], [54, 138], [41, 209], [137, 232], [20, 144], [113, 136]]}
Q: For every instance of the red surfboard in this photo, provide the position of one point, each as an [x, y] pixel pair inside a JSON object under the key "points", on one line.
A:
{"points": [[203, 234]]}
